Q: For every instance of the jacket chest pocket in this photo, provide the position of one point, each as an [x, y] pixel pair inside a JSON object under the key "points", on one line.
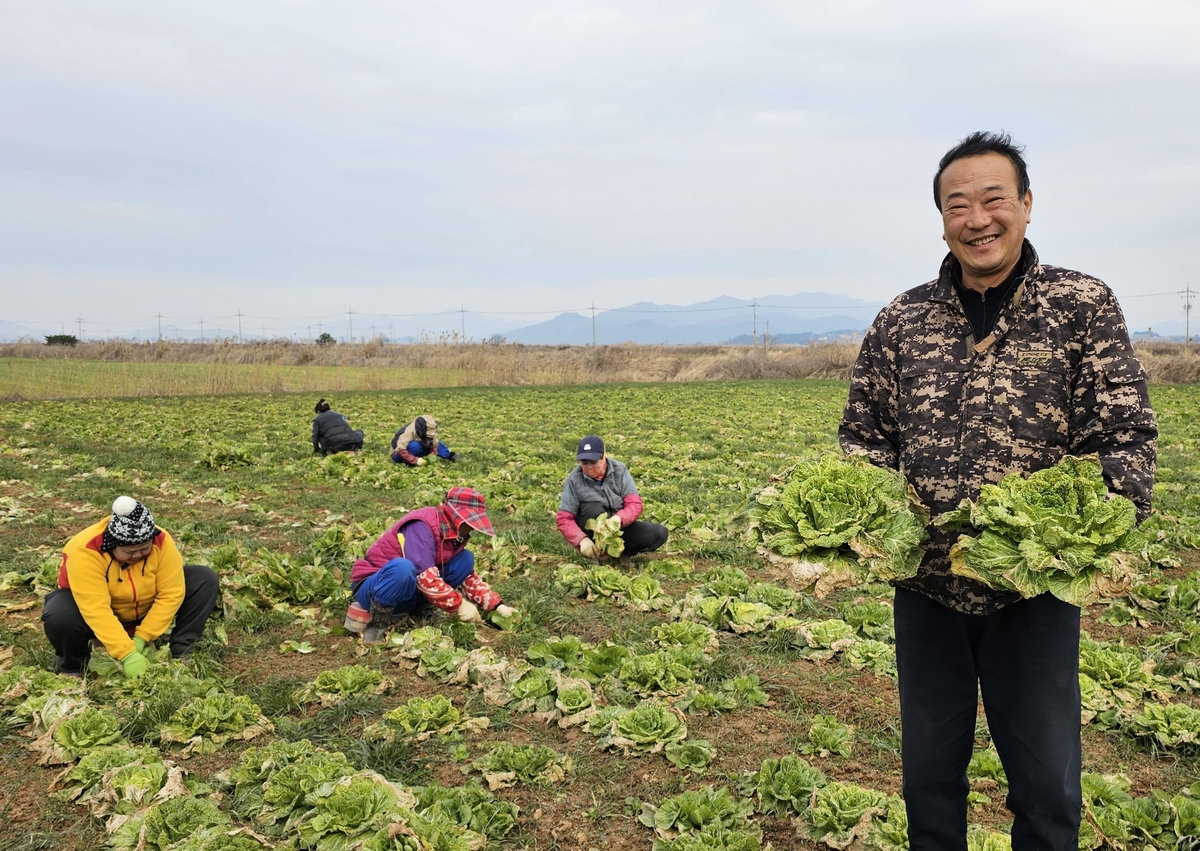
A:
{"points": [[1035, 399], [928, 408]]}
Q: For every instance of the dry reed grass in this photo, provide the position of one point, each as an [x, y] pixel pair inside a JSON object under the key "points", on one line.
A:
{"points": [[120, 368]]}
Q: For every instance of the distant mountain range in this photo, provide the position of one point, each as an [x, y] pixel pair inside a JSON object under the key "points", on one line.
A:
{"points": [[799, 318]]}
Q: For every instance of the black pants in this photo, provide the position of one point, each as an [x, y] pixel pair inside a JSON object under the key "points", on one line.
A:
{"points": [[1025, 659], [71, 637], [351, 444], [640, 536]]}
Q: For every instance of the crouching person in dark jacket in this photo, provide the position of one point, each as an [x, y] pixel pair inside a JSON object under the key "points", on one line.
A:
{"points": [[331, 432]]}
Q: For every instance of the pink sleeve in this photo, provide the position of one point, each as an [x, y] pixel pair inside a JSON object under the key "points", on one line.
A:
{"points": [[480, 593], [402, 454], [565, 521], [435, 590], [631, 509]]}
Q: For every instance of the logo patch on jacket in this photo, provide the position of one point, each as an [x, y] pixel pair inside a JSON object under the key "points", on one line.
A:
{"points": [[1035, 357]]}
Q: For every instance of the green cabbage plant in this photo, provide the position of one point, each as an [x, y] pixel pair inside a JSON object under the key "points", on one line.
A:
{"points": [[1174, 725], [606, 532], [506, 764], [786, 785], [687, 634], [647, 728], [420, 718], [827, 736], [86, 776], [697, 810], [79, 733], [691, 754], [345, 809], [841, 812], [469, 806], [835, 507], [1058, 531], [331, 687], [166, 823], [869, 655], [203, 724], [645, 594]]}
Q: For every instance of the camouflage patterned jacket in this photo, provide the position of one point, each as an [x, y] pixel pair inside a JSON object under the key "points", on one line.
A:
{"points": [[1056, 376]]}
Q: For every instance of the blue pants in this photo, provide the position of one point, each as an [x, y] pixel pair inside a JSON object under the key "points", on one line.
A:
{"points": [[395, 584], [1025, 660], [417, 450]]}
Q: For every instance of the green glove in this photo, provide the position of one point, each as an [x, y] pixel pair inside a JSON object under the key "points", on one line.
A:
{"points": [[135, 665], [139, 643]]}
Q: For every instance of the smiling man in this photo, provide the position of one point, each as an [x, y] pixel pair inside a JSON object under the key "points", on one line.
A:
{"points": [[1000, 365]]}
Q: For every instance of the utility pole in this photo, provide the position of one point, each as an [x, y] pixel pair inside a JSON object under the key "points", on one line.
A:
{"points": [[79, 328], [462, 315], [239, 326], [202, 330], [1187, 294], [351, 313], [754, 308], [160, 327], [593, 324]]}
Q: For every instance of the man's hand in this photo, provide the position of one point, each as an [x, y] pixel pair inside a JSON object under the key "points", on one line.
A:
{"points": [[588, 548], [468, 613], [139, 643], [135, 664], [420, 462]]}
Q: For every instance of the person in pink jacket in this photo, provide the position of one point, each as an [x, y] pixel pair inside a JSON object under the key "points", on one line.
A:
{"points": [[423, 559], [602, 485]]}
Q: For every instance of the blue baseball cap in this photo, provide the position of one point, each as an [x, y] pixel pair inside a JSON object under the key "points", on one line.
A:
{"points": [[591, 448]]}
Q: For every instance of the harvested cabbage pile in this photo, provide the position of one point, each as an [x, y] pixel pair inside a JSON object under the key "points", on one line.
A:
{"points": [[1059, 530], [862, 521]]}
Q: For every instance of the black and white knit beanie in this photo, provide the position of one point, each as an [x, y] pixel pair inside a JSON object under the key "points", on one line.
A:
{"points": [[131, 524]]}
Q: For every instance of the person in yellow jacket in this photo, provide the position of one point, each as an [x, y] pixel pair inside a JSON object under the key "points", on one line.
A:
{"points": [[121, 583]]}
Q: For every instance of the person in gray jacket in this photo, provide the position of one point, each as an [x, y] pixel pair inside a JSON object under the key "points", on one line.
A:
{"points": [[331, 432], [602, 485]]}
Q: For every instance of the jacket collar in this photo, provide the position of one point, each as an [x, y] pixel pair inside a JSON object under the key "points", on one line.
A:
{"points": [[951, 270]]}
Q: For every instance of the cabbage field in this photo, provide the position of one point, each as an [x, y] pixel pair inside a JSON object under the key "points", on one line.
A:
{"points": [[704, 697]]}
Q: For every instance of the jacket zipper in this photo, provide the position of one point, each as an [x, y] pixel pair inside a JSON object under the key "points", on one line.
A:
{"points": [[133, 587]]}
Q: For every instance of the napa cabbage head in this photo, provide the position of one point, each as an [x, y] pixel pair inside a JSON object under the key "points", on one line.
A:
{"points": [[648, 727], [1059, 530], [706, 808], [347, 808], [691, 754], [169, 822], [85, 730], [837, 809], [844, 505], [423, 715], [785, 785]]}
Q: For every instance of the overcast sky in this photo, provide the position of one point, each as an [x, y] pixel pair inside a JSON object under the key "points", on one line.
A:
{"points": [[294, 159]]}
